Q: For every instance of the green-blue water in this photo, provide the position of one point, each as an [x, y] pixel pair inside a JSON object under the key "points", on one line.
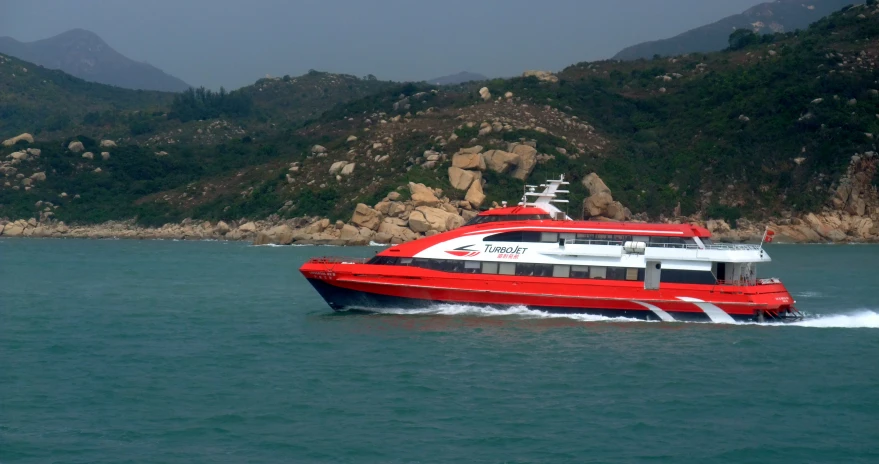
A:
{"points": [[180, 352]]}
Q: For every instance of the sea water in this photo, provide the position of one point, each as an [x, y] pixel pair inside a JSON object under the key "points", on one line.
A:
{"points": [[182, 352]]}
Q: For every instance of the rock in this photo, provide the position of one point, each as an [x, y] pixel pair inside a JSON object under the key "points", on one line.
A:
{"points": [[422, 195], [75, 146], [34, 151], [543, 76], [527, 160], [222, 228], [278, 235], [39, 176], [248, 227], [161, 153], [105, 155], [88, 155], [13, 230], [596, 205], [364, 216], [595, 184], [461, 179], [394, 233], [485, 94], [616, 211], [394, 196], [337, 166], [508, 95], [108, 144], [351, 138], [18, 155], [98, 171], [25, 136], [468, 161], [318, 149], [396, 209], [475, 195], [426, 218], [857, 206], [500, 161], [348, 169], [473, 149]]}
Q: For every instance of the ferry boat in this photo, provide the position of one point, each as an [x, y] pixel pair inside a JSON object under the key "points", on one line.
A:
{"points": [[534, 255]]}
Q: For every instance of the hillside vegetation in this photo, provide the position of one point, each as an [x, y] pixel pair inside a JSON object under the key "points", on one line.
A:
{"points": [[766, 128]]}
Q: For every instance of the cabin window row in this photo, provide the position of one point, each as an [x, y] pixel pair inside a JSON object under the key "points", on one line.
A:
{"points": [[547, 270], [507, 217]]}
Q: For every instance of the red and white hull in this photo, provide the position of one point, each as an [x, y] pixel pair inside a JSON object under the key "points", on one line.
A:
{"points": [[347, 286]]}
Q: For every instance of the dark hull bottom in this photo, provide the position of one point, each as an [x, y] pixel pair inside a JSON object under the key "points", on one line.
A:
{"points": [[341, 299]]}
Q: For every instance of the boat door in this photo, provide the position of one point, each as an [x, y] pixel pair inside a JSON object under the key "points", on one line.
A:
{"points": [[652, 274]]}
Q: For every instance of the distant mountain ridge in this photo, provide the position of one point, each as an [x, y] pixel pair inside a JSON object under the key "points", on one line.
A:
{"points": [[766, 18], [459, 78], [83, 54]]}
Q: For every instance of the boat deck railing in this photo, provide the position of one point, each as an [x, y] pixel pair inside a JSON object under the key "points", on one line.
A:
{"points": [[749, 282], [680, 246]]}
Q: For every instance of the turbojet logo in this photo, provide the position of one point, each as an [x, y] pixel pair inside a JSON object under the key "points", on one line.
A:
{"points": [[505, 252], [463, 251]]}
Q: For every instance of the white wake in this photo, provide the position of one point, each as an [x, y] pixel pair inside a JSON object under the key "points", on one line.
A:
{"points": [[861, 319]]}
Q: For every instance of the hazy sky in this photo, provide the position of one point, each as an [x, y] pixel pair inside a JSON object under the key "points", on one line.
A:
{"points": [[234, 42]]}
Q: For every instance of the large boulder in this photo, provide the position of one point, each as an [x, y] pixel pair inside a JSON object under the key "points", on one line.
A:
{"points": [[422, 195], [108, 144], [14, 229], [18, 155], [25, 136], [222, 228], [527, 159], [348, 169], [247, 228], [596, 205], [364, 216], [318, 149], [500, 161], [434, 218], [468, 161], [279, 235], [88, 155], [475, 195], [337, 167], [75, 146], [543, 76], [595, 184], [473, 149], [461, 179], [485, 94], [395, 233], [39, 176]]}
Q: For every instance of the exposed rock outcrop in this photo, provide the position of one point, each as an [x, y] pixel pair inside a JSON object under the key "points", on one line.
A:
{"points": [[12, 141], [75, 146]]}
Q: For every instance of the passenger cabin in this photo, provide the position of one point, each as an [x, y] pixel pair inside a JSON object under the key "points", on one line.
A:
{"points": [[538, 240]]}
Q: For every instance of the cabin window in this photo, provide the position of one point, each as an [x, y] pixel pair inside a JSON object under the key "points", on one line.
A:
{"points": [[616, 273], [533, 270], [406, 261], [567, 236], [580, 272], [561, 270], [632, 273], [597, 272], [507, 268], [489, 268], [679, 276], [472, 267], [549, 237]]}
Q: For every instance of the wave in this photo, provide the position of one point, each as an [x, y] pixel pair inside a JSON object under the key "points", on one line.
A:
{"points": [[481, 311], [864, 319], [861, 319]]}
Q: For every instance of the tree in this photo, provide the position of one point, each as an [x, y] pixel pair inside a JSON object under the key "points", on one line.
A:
{"points": [[742, 38]]}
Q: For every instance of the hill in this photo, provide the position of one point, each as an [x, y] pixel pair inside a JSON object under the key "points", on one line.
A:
{"points": [[83, 54], [459, 78], [766, 18], [778, 128]]}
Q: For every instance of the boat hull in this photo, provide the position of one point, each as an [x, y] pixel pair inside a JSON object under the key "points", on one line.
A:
{"points": [[342, 296]]}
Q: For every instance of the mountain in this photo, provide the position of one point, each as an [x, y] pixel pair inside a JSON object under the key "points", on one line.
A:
{"points": [[454, 79], [782, 127], [777, 16], [83, 54]]}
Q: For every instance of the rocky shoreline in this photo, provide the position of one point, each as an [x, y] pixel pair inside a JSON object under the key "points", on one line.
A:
{"points": [[416, 211]]}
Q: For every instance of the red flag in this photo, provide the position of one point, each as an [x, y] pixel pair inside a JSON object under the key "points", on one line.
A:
{"points": [[768, 237]]}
